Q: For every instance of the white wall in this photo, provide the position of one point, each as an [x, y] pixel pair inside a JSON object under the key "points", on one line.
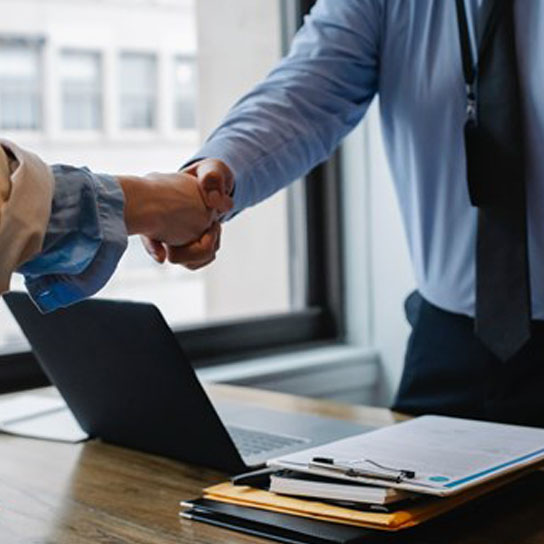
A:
{"points": [[393, 278], [378, 268]]}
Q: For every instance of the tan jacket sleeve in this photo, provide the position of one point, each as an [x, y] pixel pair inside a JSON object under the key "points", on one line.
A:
{"points": [[26, 194]]}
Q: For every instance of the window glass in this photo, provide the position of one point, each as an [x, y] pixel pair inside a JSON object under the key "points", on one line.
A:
{"points": [[185, 93], [162, 64], [20, 86], [81, 90], [138, 85]]}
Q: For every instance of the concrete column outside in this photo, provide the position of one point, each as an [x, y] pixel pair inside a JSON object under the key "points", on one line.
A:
{"points": [[239, 41]]}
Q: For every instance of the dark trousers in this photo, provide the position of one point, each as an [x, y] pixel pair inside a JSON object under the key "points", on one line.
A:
{"points": [[448, 371]]}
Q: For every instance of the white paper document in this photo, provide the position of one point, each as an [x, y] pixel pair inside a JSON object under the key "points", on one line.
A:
{"points": [[447, 455], [40, 417]]}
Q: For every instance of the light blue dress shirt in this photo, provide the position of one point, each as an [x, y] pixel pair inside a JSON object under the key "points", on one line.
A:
{"points": [[408, 53], [85, 239]]}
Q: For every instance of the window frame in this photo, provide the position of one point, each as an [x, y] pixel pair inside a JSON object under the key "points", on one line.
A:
{"points": [[321, 322]]}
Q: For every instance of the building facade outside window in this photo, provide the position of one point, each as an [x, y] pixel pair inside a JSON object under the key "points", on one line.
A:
{"points": [[138, 90], [122, 93], [20, 85], [81, 82], [185, 90]]}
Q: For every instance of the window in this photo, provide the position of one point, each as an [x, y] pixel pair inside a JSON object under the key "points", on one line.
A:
{"points": [[138, 85], [81, 83], [20, 85], [185, 93], [276, 282]]}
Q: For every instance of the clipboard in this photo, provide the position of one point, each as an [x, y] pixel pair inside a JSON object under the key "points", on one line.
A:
{"points": [[434, 455]]}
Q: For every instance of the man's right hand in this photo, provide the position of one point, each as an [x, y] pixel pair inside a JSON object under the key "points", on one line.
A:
{"points": [[216, 184]]}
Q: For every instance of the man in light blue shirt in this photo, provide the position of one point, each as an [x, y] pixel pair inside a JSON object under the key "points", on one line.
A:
{"points": [[408, 53]]}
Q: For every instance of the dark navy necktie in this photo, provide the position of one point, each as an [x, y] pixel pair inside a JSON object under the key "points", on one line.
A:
{"points": [[496, 177]]}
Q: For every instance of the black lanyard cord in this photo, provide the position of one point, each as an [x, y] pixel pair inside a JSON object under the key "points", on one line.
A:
{"points": [[469, 68], [492, 10]]}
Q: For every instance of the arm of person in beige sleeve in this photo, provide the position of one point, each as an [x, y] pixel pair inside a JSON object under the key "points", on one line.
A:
{"points": [[26, 192], [65, 228]]}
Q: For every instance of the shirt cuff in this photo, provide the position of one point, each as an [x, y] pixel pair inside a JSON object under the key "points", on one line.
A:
{"points": [[85, 240]]}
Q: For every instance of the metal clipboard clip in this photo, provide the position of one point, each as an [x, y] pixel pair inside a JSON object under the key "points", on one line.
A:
{"points": [[388, 474]]}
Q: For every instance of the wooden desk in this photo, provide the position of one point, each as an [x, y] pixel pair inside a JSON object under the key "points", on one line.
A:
{"points": [[96, 493]]}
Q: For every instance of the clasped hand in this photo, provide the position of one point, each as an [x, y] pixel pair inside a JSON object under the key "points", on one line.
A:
{"points": [[178, 215]]}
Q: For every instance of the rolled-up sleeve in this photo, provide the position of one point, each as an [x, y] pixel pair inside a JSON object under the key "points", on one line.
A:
{"points": [[298, 115], [85, 239]]}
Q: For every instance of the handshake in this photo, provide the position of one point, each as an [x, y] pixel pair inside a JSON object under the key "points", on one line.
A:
{"points": [[178, 215]]}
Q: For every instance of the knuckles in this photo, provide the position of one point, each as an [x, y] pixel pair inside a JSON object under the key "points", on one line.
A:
{"points": [[195, 255], [201, 264]]}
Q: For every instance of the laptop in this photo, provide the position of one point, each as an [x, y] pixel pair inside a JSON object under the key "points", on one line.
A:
{"points": [[126, 379]]}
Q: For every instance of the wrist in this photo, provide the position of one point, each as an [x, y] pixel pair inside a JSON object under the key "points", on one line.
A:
{"points": [[139, 204]]}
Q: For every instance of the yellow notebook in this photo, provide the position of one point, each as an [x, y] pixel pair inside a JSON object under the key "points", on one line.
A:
{"points": [[428, 508]]}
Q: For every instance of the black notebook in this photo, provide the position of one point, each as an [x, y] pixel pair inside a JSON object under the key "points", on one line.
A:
{"points": [[280, 527]]}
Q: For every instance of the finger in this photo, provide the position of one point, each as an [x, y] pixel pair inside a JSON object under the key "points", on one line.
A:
{"points": [[216, 181], [220, 206], [216, 201], [201, 250], [216, 171], [202, 264], [155, 248], [226, 205], [198, 252], [218, 243]]}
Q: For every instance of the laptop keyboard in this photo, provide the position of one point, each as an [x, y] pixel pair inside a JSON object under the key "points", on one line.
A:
{"points": [[251, 442]]}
